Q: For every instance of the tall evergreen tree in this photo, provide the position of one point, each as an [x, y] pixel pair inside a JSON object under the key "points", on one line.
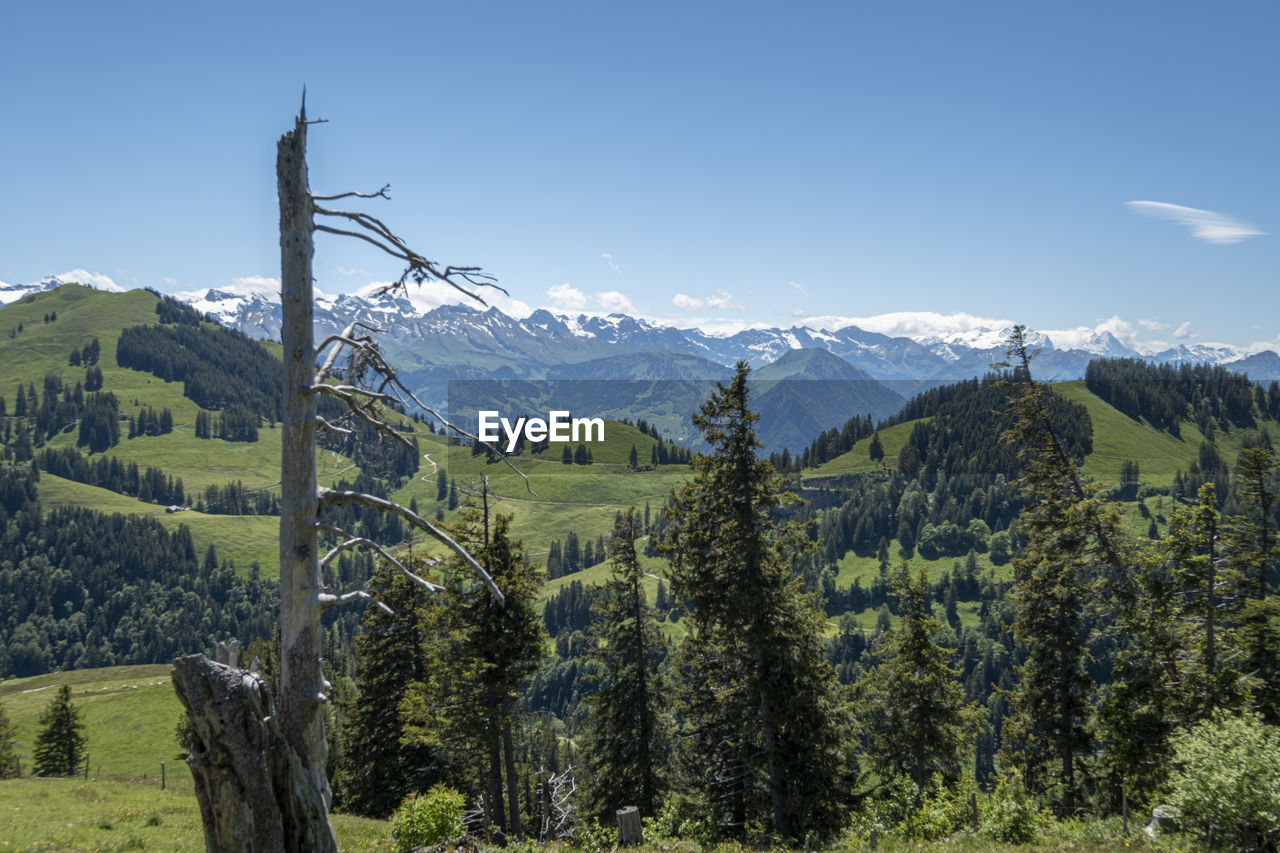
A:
{"points": [[1070, 538], [60, 742], [628, 732], [912, 701], [485, 653], [9, 766], [376, 771], [764, 712]]}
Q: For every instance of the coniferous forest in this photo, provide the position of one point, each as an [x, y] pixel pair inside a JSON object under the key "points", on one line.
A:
{"points": [[1077, 649]]}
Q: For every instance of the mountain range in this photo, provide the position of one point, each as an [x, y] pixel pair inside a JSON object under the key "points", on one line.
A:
{"points": [[458, 335], [431, 347]]}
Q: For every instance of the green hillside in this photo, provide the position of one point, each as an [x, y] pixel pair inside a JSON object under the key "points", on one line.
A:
{"points": [[857, 460], [558, 498], [1117, 438], [68, 318], [129, 714]]}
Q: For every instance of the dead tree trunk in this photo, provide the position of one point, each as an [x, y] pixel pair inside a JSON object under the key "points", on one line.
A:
{"points": [[260, 772], [302, 688], [254, 794]]}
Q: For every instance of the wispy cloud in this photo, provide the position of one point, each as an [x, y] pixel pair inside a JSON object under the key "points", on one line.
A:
{"points": [[1152, 325], [615, 302], [613, 266], [798, 286], [1185, 332], [341, 270], [1215, 228], [566, 296], [721, 300]]}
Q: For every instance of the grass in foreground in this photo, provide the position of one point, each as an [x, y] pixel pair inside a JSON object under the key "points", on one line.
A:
{"points": [[75, 815]]}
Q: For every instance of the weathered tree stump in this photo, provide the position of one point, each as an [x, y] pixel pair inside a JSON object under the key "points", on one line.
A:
{"points": [[630, 830], [254, 795]]}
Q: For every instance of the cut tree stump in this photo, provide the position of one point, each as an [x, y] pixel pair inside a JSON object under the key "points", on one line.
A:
{"points": [[630, 831]]}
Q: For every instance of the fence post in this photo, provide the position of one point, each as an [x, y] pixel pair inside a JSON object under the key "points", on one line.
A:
{"points": [[161, 775]]}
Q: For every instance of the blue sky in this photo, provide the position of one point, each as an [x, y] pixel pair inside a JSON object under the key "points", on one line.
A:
{"points": [[717, 164]]}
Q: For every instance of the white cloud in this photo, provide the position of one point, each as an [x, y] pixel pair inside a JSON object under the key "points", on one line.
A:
{"points": [[1152, 325], [914, 324], [567, 297], [615, 302], [721, 300], [720, 327], [251, 285], [101, 281], [1215, 228], [798, 286], [613, 266], [1185, 332], [341, 270]]}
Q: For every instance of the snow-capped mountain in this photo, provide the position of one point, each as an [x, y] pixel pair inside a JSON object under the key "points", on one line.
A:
{"points": [[14, 292], [450, 340]]}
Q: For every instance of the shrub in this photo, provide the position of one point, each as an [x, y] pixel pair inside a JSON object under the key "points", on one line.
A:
{"points": [[943, 813], [1011, 816], [1228, 778], [428, 820]]}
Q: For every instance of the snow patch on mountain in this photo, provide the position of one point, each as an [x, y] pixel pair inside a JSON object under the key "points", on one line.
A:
{"points": [[98, 281]]}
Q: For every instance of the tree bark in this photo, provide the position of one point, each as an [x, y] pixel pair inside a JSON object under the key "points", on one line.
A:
{"points": [[255, 795], [630, 829], [302, 689]]}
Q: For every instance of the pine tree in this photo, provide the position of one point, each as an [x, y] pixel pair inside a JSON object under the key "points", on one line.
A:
{"points": [[1144, 705], [912, 700], [763, 709], [59, 747], [876, 450], [1070, 542], [9, 766], [467, 704], [628, 732], [376, 771]]}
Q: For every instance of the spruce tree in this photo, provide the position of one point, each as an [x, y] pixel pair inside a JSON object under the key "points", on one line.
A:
{"points": [[60, 742], [628, 738], [484, 653], [763, 710], [376, 771], [912, 701], [1070, 542], [9, 766]]}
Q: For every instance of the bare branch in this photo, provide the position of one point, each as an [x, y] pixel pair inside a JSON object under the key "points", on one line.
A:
{"points": [[354, 407], [327, 601], [382, 193], [419, 268], [330, 497], [343, 390], [353, 541], [344, 339], [332, 427], [369, 239], [462, 432]]}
